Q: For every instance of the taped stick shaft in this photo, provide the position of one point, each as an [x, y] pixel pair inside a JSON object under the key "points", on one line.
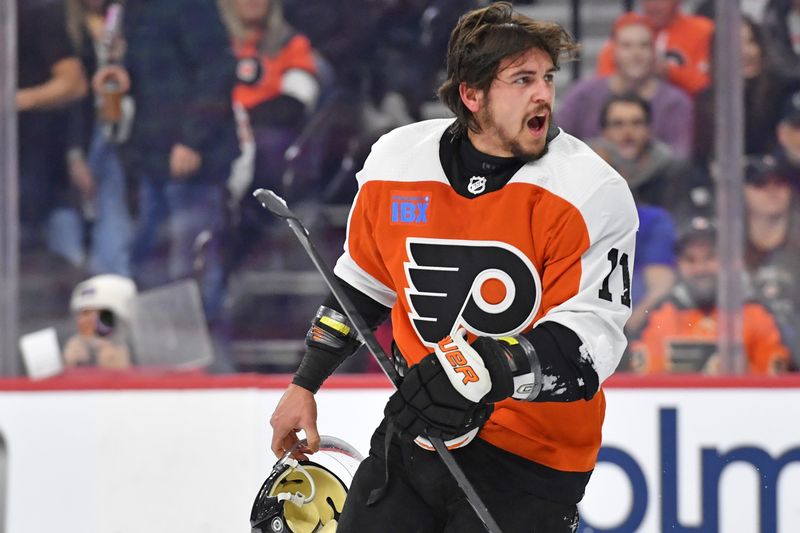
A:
{"points": [[469, 491]]}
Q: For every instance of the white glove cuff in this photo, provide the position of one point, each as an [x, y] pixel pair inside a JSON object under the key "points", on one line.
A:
{"points": [[464, 367]]}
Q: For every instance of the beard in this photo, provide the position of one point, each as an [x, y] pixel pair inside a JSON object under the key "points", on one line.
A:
{"points": [[526, 155], [703, 291], [510, 143], [630, 150]]}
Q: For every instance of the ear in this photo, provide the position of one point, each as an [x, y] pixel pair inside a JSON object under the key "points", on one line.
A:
{"points": [[470, 96], [782, 133]]}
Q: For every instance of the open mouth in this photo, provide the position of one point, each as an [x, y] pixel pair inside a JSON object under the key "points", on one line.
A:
{"points": [[537, 124]]}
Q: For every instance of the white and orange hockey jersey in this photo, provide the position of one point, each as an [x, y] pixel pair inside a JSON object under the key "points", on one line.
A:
{"points": [[556, 243]]}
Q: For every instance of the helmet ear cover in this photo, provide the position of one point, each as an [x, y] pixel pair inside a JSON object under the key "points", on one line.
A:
{"points": [[304, 495], [324, 499]]}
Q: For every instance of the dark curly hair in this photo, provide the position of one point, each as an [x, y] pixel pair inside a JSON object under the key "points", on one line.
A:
{"points": [[482, 39]]}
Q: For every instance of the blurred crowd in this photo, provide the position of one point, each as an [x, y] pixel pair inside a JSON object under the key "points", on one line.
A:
{"points": [[144, 126]]}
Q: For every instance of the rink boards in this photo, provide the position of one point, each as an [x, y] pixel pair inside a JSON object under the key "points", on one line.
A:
{"points": [[131, 453]]}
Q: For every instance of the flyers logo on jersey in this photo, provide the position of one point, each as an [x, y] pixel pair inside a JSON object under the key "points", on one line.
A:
{"points": [[249, 70], [488, 287], [410, 208]]}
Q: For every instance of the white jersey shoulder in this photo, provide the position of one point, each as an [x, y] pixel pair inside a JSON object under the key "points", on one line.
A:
{"points": [[570, 170], [407, 153]]}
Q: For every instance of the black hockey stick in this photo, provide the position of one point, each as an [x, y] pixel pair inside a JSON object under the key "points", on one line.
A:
{"points": [[277, 206]]}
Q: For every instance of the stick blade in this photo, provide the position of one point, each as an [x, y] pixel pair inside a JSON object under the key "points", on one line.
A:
{"points": [[274, 203]]}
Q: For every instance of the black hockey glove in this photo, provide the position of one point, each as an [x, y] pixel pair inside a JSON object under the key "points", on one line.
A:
{"points": [[451, 391], [426, 404]]}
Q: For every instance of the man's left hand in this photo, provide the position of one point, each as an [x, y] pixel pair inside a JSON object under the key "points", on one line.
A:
{"points": [[427, 405], [451, 391], [183, 161]]}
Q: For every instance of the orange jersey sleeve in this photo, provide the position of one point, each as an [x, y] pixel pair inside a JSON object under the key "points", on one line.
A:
{"points": [[763, 344]]}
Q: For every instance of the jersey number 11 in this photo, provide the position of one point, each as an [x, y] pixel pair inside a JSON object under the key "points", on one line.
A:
{"points": [[615, 258]]}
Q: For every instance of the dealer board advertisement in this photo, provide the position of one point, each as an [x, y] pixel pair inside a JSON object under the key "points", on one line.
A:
{"points": [[673, 460], [697, 460]]}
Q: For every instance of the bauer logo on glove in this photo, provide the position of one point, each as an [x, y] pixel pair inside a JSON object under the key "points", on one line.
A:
{"points": [[464, 366]]}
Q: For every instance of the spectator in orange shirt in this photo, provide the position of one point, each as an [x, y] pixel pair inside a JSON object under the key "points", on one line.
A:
{"points": [[277, 84], [680, 334], [276, 90], [635, 72], [683, 43]]}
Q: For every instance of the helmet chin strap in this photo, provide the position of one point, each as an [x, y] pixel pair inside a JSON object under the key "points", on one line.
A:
{"points": [[298, 498]]}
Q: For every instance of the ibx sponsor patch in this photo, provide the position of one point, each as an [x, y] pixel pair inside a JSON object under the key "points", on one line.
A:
{"points": [[410, 207]]}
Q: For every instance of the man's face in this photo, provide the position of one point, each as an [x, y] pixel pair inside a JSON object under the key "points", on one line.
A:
{"points": [[94, 5], [771, 196], [515, 113], [86, 322], [789, 139], [661, 12], [751, 53], [633, 51], [698, 268], [627, 129], [251, 12]]}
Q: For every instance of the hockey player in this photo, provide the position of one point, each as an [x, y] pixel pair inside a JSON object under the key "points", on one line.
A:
{"points": [[502, 248]]}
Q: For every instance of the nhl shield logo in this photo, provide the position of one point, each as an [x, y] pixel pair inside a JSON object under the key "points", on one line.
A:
{"points": [[477, 184]]}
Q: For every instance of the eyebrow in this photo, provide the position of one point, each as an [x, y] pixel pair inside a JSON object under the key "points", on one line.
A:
{"points": [[551, 70]]}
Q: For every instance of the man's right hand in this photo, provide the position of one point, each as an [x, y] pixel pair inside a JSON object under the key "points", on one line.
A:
{"points": [[184, 161], [111, 73], [296, 410]]}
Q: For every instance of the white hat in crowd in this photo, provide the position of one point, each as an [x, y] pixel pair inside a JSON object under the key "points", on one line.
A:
{"points": [[106, 291]]}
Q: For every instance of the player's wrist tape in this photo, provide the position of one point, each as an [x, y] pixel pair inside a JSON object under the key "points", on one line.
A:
{"points": [[331, 339], [525, 367], [315, 368]]}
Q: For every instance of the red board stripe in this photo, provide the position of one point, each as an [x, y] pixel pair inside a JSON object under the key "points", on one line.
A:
{"points": [[142, 379]]}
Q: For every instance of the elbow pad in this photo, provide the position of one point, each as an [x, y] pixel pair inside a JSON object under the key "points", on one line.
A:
{"points": [[333, 332], [330, 340]]}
